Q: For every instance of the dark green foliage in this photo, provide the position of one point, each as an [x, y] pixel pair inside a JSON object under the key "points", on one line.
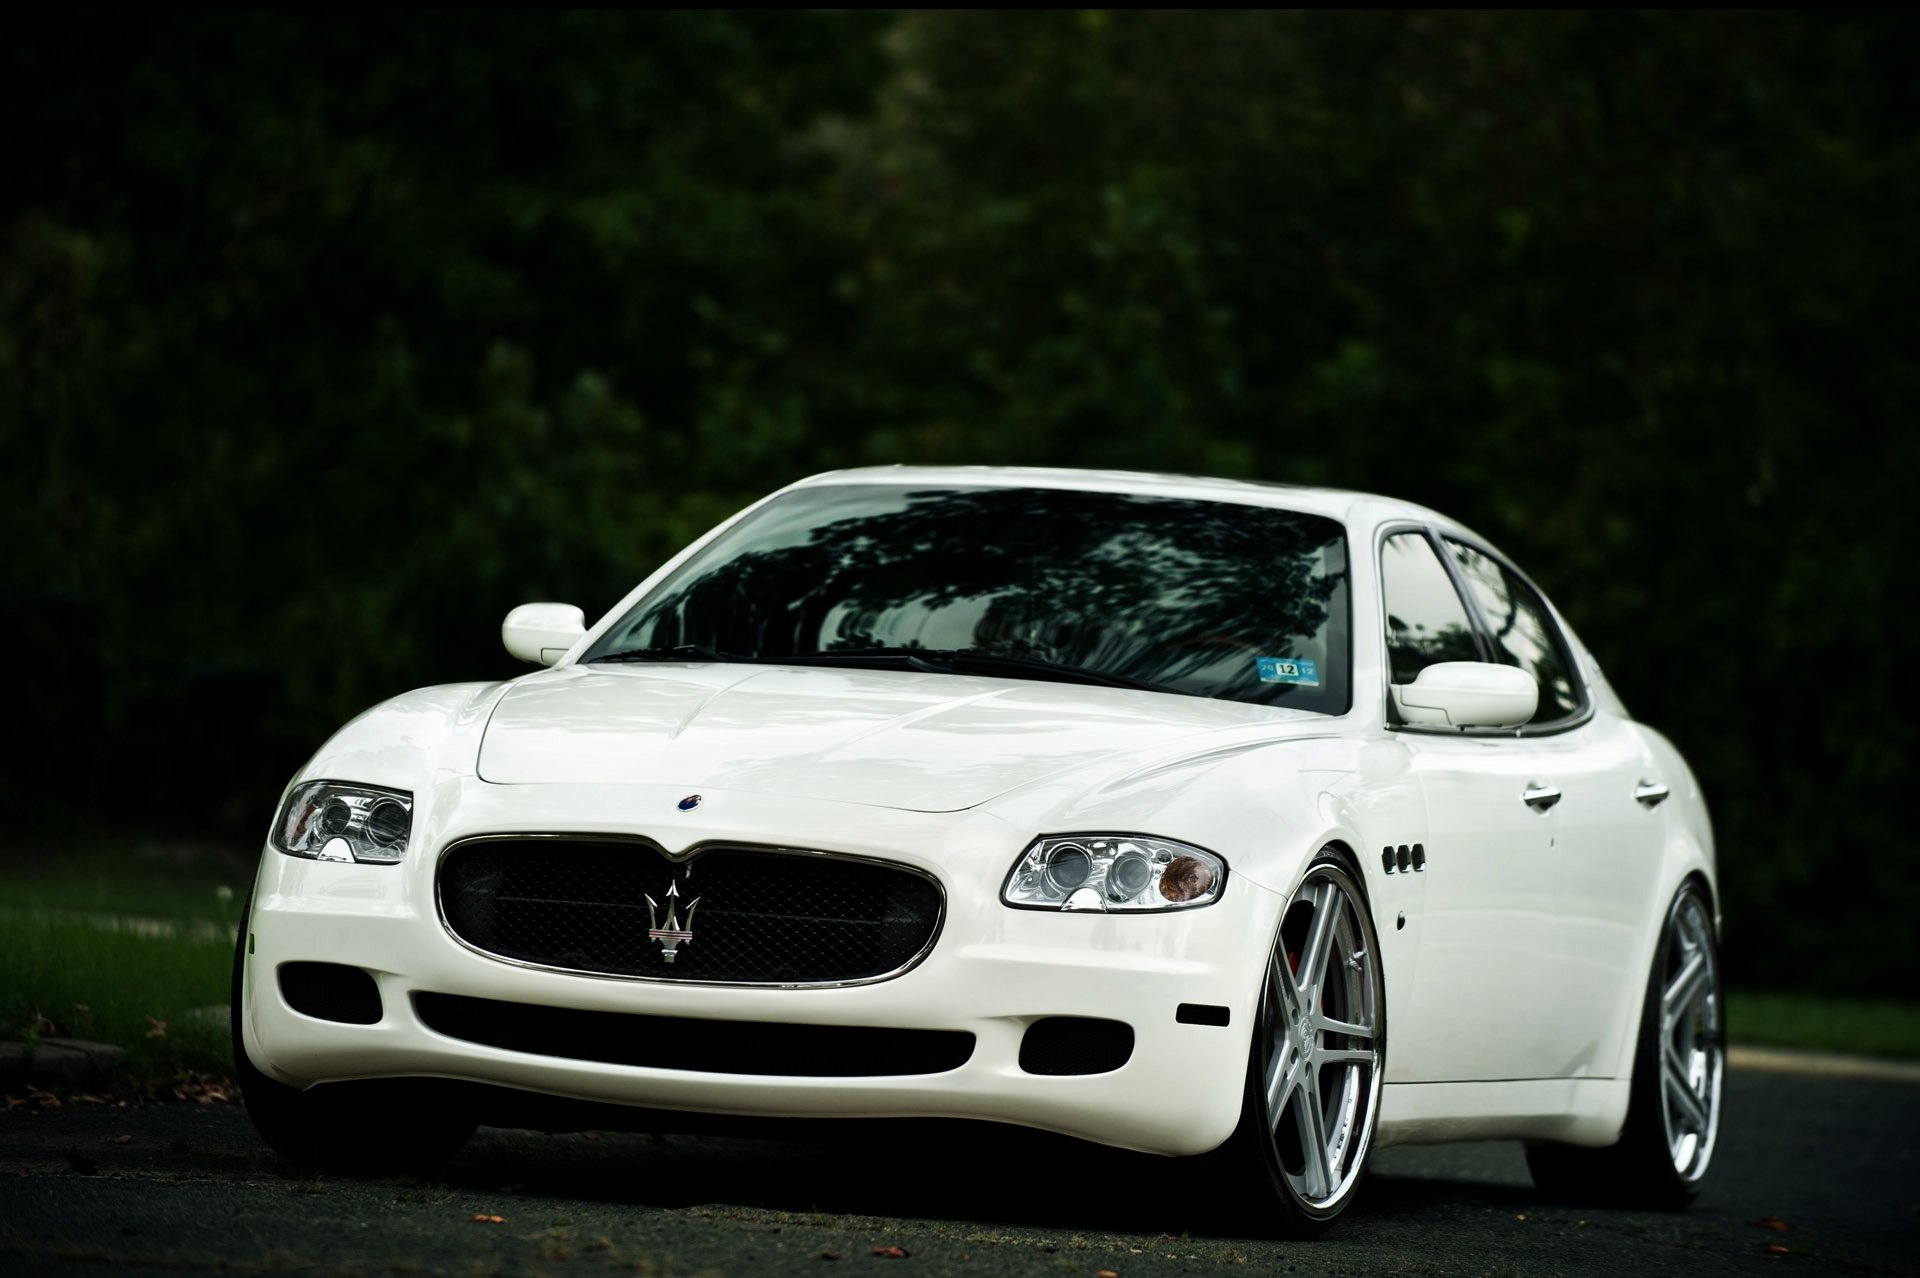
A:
{"points": [[323, 341]]}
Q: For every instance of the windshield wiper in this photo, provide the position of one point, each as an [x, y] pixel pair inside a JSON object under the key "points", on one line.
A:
{"points": [[933, 660], [679, 652], [963, 660]]}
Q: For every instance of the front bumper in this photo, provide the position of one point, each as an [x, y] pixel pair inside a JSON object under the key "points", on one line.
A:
{"points": [[993, 971]]}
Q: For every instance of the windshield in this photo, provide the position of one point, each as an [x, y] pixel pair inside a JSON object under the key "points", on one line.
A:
{"points": [[1203, 598]]}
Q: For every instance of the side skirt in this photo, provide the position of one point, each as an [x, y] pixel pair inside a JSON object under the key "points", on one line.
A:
{"points": [[1573, 1111]]}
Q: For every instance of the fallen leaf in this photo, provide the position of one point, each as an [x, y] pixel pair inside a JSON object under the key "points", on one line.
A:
{"points": [[829, 1255], [1105, 1273], [159, 1029], [88, 1098], [120, 1140], [1774, 1223], [1775, 1249], [1520, 1216], [481, 1218], [892, 1253]]}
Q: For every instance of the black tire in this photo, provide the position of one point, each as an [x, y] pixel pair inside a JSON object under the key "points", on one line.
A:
{"points": [[1265, 1161], [404, 1126], [1663, 1154]]}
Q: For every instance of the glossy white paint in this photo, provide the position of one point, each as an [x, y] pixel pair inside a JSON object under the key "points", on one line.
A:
{"points": [[902, 739], [1467, 694], [541, 633], [1516, 955]]}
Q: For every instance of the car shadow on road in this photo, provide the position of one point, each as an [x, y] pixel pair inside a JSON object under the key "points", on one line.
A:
{"points": [[935, 1172]]}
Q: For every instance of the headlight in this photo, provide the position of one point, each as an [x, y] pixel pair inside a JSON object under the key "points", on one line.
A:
{"points": [[1113, 872], [336, 821]]}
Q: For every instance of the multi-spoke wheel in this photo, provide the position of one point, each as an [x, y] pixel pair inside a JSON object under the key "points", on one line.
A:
{"points": [[1313, 1092], [1673, 1117]]}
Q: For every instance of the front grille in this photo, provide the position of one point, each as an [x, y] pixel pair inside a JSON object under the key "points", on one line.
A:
{"points": [[331, 992], [679, 1042], [746, 916]]}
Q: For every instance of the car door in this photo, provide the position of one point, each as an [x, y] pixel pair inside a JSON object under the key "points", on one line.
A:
{"points": [[1483, 1001], [1606, 863]]}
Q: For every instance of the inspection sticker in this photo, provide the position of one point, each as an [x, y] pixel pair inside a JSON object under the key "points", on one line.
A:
{"points": [[1287, 670]]}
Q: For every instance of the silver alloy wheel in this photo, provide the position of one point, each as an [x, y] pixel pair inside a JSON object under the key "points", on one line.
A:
{"points": [[1692, 1046], [1319, 1033]]}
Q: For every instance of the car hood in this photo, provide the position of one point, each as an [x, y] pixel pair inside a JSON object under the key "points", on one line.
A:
{"points": [[918, 741]]}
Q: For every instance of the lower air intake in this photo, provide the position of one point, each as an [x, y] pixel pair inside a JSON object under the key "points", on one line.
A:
{"points": [[714, 1047], [331, 992], [1075, 1045]]}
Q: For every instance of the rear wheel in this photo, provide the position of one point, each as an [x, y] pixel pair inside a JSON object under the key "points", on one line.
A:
{"points": [[1319, 1045], [403, 1125], [1673, 1116]]}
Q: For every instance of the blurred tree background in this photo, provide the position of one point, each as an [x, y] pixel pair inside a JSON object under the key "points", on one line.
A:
{"points": [[325, 340]]}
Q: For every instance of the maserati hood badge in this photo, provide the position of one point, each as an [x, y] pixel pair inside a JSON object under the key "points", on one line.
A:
{"points": [[674, 932]]}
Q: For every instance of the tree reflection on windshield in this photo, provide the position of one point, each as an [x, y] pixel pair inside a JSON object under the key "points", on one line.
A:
{"points": [[1175, 592]]}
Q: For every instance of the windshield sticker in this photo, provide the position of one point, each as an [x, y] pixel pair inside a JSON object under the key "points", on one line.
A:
{"points": [[1287, 670]]}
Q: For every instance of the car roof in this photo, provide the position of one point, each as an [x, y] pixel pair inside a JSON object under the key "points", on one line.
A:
{"points": [[1355, 509]]}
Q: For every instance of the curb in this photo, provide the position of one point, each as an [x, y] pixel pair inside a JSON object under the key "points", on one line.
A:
{"points": [[1788, 1060]]}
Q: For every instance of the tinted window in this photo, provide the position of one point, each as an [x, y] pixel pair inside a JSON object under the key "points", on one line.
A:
{"points": [[1200, 597], [1523, 631], [1426, 622]]}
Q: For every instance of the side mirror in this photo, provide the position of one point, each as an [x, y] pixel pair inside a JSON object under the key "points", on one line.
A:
{"points": [[542, 632], [1468, 694]]}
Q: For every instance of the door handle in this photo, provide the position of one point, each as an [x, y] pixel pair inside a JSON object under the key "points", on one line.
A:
{"points": [[1540, 797], [1651, 793]]}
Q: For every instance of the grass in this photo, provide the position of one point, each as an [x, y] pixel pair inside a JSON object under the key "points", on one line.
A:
{"points": [[145, 879], [1861, 1027], [81, 977]]}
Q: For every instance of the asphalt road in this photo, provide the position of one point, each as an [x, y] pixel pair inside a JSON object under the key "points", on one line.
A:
{"points": [[189, 1189]]}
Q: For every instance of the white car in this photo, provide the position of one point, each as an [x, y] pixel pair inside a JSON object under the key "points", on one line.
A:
{"points": [[1189, 816]]}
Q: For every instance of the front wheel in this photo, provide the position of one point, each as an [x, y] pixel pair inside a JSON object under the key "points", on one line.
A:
{"points": [[1673, 1116], [1319, 1048], [388, 1126]]}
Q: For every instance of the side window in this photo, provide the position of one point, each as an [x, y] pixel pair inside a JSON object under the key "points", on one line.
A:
{"points": [[1523, 631], [1426, 622]]}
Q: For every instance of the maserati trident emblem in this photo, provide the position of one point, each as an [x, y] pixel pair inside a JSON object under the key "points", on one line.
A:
{"points": [[675, 933]]}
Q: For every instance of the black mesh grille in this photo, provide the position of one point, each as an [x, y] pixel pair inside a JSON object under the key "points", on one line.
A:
{"points": [[1075, 1045], [753, 916], [715, 1047], [331, 991]]}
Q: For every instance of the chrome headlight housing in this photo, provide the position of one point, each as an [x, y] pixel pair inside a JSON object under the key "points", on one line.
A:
{"points": [[341, 821], [1120, 873]]}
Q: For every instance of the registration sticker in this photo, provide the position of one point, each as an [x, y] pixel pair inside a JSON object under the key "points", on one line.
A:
{"points": [[1287, 670]]}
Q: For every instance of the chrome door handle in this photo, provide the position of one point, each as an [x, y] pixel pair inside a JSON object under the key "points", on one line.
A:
{"points": [[1540, 797], [1651, 793]]}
